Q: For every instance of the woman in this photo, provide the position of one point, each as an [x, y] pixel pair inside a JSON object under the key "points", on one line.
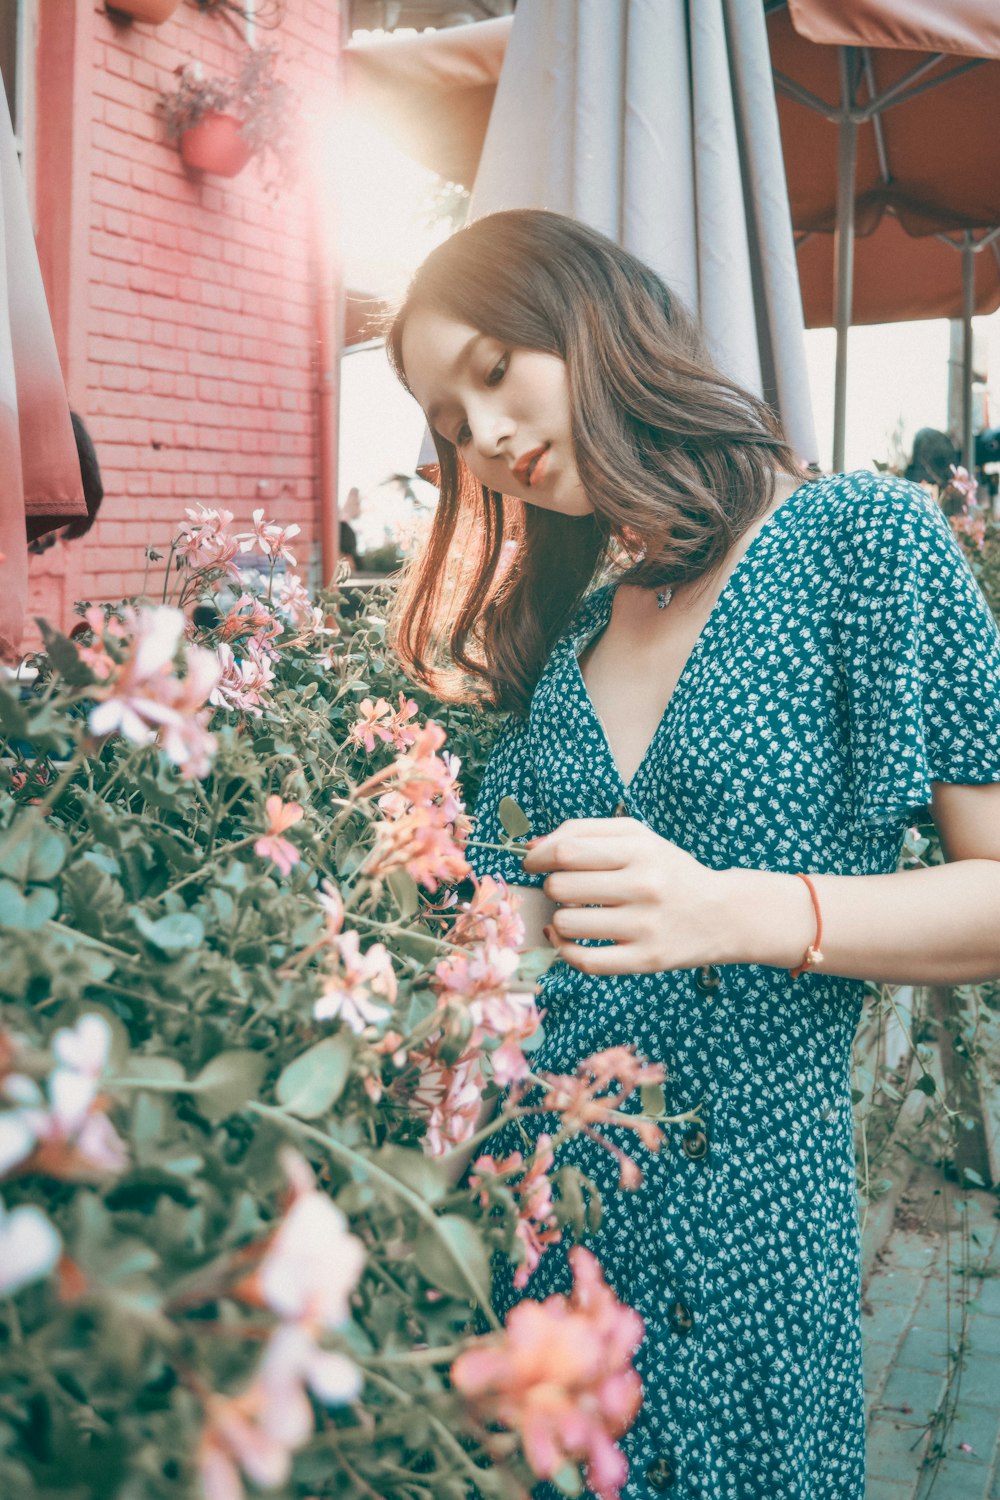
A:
{"points": [[776, 676]]}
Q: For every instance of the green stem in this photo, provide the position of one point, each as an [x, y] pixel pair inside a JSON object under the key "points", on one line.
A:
{"points": [[366, 1167]]}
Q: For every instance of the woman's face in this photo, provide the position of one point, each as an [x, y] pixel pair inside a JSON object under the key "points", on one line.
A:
{"points": [[505, 409]]}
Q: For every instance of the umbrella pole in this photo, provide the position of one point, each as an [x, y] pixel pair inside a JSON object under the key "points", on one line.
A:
{"points": [[968, 308], [847, 148]]}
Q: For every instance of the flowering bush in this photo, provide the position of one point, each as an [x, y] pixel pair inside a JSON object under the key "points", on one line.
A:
{"points": [[251, 1006]]}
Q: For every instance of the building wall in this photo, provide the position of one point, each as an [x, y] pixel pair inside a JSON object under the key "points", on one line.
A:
{"points": [[184, 306]]}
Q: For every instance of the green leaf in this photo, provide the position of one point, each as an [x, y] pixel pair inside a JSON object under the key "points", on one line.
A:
{"points": [[40, 906], [567, 1481], [442, 1254], [652, 1099], [405, 892], [534, 962], [420, 1173], [64, 657], [173, 934], [926, 1083], [969, 1176], [13, 906], [857, 1095], [155, 1070], [48, 853], [226, 1083], [314, 1081], [513, 819]]}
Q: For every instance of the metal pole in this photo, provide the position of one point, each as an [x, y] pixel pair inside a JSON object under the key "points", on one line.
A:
{"points": [[843, 248], [968, 308]]}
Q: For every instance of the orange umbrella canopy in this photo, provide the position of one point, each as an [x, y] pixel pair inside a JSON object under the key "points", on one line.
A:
{"points": [[930, 165], [928, 159]]}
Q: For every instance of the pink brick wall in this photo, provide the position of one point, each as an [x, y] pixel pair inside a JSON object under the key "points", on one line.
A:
{"points": [[197, 316]]}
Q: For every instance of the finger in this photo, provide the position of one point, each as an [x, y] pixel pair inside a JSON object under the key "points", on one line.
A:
{"points": [[564, 851], [618, 958], [584, 888], [574, 922]]}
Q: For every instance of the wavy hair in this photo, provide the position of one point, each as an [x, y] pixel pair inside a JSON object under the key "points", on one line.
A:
{"points": [[676, 459]]}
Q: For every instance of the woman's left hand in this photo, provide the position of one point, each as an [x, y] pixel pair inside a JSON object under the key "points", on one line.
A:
{"points": [[615, 879]]}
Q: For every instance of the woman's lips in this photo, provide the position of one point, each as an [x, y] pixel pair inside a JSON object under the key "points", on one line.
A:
{"points": [[534, 471]]}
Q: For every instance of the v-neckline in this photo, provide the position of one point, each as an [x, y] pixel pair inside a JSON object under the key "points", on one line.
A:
{"points": [[599, 623]]}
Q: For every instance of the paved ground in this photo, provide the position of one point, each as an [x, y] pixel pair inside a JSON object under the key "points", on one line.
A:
{"points": [[932, 1348]]}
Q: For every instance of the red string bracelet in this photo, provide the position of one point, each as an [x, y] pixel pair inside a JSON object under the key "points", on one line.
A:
{"points": [[812, 953]]}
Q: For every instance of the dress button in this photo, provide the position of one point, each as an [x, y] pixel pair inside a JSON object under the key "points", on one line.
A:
{"points": [[661, 1474], [680, 1317], [707, 979], [694, 1143]]}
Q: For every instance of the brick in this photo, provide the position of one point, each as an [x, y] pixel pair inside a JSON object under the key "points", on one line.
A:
{"points": [[926, 1349], [977, 1426], [957, 1481], [894, 1451], [920, 1390]]}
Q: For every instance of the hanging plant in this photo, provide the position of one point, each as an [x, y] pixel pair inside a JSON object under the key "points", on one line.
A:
{"points": [[219, 123]]}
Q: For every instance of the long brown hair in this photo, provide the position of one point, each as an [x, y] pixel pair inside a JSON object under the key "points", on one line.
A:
{"points": [[676, 459]]}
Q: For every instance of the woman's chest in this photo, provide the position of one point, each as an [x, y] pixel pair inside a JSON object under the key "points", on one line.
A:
{"points": [[749, 714]]}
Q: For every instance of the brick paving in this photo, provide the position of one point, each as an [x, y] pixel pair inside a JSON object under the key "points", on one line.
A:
{"points": [[912, 1327]]}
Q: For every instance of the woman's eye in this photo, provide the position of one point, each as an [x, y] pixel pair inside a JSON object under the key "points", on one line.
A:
{"points": [[498, 371], [463, 435]]}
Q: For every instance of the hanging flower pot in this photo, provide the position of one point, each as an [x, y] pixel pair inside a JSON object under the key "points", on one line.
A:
{"points": [[216, 144], [153, 11], [219, 123]]}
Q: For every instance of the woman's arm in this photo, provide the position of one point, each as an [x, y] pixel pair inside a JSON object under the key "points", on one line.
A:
{"points": [[617, 880], [933, 926]]}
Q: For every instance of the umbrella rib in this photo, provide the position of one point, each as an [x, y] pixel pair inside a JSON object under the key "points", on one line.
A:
{"points": [[792, 90], [902, 93], [877, 127]]}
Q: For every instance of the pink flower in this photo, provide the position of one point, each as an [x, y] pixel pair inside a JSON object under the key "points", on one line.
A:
{"points": [[536, 1227], [583, 1101], [447, 1096], [294, 601], [271, 538], [280, 817], [145, 701], [560, 1375], [234, 1438], [71, 1138], [332, 902], [369, 724], [243, 684], [249, 617], [349, 994], [204, 540]]}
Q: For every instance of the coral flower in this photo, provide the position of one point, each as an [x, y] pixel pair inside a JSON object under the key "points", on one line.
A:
{"points": [[560, 1375], [280, 817]]}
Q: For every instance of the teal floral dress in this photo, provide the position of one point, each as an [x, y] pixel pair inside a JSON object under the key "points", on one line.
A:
{"points": [[850, 661]]}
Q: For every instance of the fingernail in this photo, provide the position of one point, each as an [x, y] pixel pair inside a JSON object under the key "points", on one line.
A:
{"points": [[530, 843]]}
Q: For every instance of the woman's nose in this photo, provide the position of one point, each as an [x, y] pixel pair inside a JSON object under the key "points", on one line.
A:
{"points": [[492, 432]]}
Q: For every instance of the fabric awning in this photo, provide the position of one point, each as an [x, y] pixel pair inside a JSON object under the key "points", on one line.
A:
{"points": [[41, 482]]}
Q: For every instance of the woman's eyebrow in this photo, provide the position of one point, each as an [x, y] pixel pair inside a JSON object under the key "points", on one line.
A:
{"points": [[461, 358]]}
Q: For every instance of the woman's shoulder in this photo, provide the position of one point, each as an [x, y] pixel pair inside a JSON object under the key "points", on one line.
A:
{"points": [[871, 499], [874, 520]]}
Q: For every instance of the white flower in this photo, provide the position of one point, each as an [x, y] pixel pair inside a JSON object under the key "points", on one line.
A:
{"points": [[29, 1248], [313, 1263]]}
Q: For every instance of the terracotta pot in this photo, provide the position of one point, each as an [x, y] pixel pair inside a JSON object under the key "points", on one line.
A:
{"points": [[154, 11], [216, 144]]}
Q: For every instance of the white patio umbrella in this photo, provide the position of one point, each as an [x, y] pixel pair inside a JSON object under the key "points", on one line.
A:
{"points": [[655, 122]]}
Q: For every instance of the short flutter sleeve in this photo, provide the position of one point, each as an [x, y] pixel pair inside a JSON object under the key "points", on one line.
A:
{"points": [[509, 773], [920, 652]]}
